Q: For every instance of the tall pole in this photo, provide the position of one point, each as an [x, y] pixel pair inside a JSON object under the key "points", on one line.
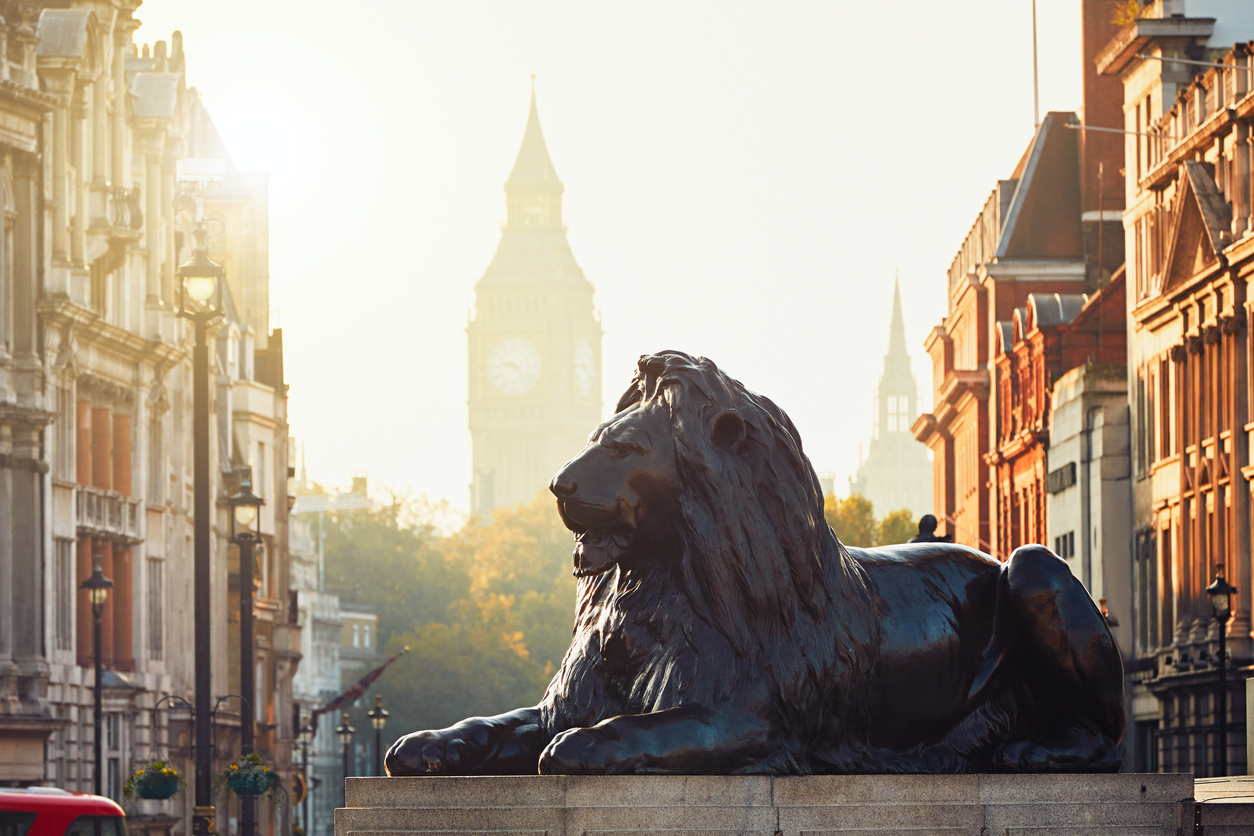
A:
{"points": [[247, 679], [304, 757], [97, 696], [378, 752], [1222, 749], [1036, 79], [202, 814], [344, 748]]}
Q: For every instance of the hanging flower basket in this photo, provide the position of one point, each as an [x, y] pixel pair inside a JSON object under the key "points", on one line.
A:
{"points": [[155, 782], [250, 777]]}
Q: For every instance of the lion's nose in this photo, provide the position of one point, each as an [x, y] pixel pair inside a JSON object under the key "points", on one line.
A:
{"points": [[562, 486]]}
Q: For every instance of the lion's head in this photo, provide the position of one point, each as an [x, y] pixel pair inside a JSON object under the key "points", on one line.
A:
{"points": [[696, 472]]}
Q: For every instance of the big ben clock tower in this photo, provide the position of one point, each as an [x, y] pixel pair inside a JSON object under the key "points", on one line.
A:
{"points": [[535, 341]]}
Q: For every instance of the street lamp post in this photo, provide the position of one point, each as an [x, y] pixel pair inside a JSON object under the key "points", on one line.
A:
{"points": [[306, 740], [378, 718], [345, 731], [245, 533], [200, 279], [1220, 593], [97, 587]]}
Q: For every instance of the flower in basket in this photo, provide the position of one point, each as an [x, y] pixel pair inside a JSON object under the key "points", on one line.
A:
{"points": [[251, 777], [156, 781]]}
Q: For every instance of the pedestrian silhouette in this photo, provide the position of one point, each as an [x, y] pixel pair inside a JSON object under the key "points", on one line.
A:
{"points": [[927, 532]]}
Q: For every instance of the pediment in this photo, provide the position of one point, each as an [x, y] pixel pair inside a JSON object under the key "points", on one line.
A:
{"points": [[1199, 230]]}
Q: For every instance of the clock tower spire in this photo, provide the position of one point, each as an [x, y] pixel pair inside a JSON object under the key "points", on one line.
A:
{"points": [[534, 341]]}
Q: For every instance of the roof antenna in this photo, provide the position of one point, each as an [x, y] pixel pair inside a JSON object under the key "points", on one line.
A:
{"points": [[1036, 83]]}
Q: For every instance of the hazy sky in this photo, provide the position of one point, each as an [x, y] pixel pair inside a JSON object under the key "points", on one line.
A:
{"points": [[742, 181]]}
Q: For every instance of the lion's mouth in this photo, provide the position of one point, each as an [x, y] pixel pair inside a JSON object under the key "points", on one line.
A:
{"points": [[598, 551]]}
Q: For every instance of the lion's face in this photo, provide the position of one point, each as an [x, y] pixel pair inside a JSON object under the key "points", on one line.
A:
{"points": [[620, 491]]}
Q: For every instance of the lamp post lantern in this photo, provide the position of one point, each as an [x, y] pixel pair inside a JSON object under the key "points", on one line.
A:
{"points": [[378, 718], [200, 279], [97, 587], [345, 731], [245, 533], [1220, 593]]}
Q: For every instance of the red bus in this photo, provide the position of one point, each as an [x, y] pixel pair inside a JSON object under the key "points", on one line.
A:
{"points": [[44, 811]]}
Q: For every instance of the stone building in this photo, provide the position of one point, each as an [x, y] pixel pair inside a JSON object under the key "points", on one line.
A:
{"points": [[534, 342], [1190, 252], [896, 473], [1050, 228], [96, 419]]}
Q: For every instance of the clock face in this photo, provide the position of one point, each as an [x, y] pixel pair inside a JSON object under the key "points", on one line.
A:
{"points": [[585, 366], [514, 366]]}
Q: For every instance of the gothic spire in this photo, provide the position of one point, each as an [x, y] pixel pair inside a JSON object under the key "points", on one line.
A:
{"points": [[533, 169], [897, 331]]}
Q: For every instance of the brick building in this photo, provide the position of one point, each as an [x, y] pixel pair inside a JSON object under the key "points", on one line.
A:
{"points": [[1051, 229]]}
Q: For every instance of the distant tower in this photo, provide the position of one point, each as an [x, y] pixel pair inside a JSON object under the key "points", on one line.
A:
{"points": [[896, 473], [534, 339]]}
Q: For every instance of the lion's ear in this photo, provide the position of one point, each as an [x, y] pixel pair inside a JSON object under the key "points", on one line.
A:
{"points": [[727, 430]]}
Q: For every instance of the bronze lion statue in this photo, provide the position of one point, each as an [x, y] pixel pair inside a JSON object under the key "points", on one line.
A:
{"points": [[723, 628]]}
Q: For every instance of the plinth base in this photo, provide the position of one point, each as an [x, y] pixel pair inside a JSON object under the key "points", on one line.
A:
{"points": [[718, 805]]}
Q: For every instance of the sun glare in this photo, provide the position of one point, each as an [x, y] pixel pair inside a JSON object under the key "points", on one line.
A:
{"points": [[268, 133]]}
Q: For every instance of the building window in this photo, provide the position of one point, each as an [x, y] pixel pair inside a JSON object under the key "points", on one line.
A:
{"points": [[66, 596], [65, 461], [356, 635], [365, 642], [261, 486], [259, 693], [156, 462], [156, 610], [1064, 545]]}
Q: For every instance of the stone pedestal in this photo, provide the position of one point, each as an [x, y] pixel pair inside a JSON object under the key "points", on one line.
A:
{"points": [[855, 805]]}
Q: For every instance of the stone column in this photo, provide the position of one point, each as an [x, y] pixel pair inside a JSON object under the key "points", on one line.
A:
{"points": [[152, 227], [78, 156], [170, 262], [117, 119], [28, 547], [1241, 188], [27, 255], [1180, 558], [8, 613], [60, 182], [100, 132]]}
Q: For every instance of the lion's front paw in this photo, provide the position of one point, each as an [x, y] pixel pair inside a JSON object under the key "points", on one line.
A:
{"points": [[574, 752], [427, 753]]}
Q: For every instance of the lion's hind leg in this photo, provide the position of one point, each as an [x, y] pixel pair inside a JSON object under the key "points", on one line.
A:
{"points": [[1065, 666]]}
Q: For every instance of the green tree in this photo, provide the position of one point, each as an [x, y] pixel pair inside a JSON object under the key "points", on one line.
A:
{"points": [[486, 611], [852, 518], [897, 527]]}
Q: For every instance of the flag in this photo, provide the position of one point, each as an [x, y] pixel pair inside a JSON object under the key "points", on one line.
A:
{"points": [[353, 694]]}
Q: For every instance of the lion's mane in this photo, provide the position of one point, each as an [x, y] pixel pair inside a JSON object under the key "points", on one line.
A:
{"points": [[757, 554]]}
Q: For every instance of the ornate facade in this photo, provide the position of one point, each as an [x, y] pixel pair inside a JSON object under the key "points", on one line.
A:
{"points": [[96, 411], [896, 473], [1190, 242], [1047, 337], [534, 341]]}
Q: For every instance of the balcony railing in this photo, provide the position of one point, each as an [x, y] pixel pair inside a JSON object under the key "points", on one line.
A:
{"points": [[103, 513]]}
